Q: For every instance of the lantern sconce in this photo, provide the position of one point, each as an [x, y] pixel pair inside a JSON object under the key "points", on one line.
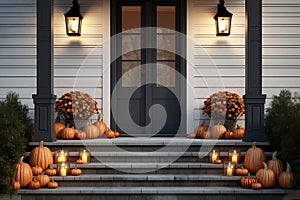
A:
{"points": [[223, 20], [73, 20]]}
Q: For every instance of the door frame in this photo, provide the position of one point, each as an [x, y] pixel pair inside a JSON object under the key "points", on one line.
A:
{"points": [[182, 19]]}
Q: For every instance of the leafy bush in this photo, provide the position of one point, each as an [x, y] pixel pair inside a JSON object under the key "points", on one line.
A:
{"points": [[16, 129], [281, 125]]}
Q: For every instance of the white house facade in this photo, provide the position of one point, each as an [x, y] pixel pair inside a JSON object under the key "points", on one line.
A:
{"points": [[213, 63]]}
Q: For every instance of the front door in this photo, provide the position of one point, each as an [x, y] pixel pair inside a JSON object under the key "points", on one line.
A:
{"points": [[148, 70]]}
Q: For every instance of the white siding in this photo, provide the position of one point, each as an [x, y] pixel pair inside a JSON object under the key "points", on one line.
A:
{"points": [[215, 63], [224, 68], [281, 46], [18, 49], [78, 61]]}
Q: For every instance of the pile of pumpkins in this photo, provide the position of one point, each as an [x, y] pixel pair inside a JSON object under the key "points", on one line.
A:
{"points": [[90, 131], [266, 174], [216, 132], [36, 173]]}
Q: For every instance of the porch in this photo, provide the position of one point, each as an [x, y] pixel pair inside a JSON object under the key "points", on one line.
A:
{"points": [[44, 98]]}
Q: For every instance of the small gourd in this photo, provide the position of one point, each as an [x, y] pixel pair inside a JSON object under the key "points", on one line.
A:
{"points": [[35, 184], [52, 184], [75, 172], [256, 185], [241, 171], [246, 181], [43, 179], [51, 171], [36, 170], [16, 184]]}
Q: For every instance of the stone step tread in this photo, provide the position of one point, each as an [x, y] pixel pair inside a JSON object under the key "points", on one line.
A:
{"points": [[151, 154], [153, 190], [147, 177], [150, 141], [128, 165]]}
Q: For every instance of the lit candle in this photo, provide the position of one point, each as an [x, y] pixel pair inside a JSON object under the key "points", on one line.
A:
{"points": [[229, 170], [234, 158], [63, 170], [214, 156], [84, 156], [62, 156]]}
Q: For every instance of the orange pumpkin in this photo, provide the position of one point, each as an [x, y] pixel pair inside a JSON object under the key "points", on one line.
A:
{"points": [[68, 133], [199, 129], [43, 179], [92, 131], [110, 134], [51, 171], [266, 176], [246, 181], [36, 170], [253, 158], [228, 135], [41, 156], [204, 133], [275, 165], [256, 185], [241, 171], [217, 131], [79, 161], [22, 173], [238, 132], [218, 161], [117, 134], [35, 184], [286, 178], [16, 185], [101, 125], [58, 126], [52, 184], [81, 135], [75, 172]]}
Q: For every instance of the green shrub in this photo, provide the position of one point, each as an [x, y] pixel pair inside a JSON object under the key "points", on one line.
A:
{"points": [[15, 133], [281, 126]]}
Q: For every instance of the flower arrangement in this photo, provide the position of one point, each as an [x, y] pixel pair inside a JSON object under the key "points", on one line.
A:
{"points": [[76, 105], [224, 104]]}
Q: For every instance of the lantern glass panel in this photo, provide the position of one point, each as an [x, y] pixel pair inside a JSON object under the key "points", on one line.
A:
{"points": [[224, 25], [234, 156], [73, 25], [84, 155], [63, 168], [214, 155], [61, 156], [229, 168]]}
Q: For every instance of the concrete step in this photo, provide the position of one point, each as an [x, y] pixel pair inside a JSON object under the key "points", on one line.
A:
{"points": [[153, 193], [146, 180], [150, 156], [149, 168], [144, 144]]}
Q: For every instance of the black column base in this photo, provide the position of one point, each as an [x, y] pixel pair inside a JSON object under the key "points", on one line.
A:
{"points": [[44, 118], [254, 119]]}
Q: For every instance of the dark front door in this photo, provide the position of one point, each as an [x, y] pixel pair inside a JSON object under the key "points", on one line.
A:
{"points": [[148, 87]]}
